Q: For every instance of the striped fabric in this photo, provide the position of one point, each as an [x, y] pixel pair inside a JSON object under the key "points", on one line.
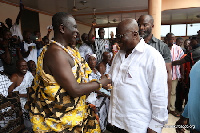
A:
{"points": [[101, 46], [176, 53]]}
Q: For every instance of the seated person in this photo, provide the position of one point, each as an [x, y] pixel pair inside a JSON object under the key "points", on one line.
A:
{"points": [[104, 65], [22, 80], [102, 102], [32, 67], [85, 49]]}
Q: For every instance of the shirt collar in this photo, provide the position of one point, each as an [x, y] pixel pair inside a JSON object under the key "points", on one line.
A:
{"points": [[153, 39], [140, 46]]}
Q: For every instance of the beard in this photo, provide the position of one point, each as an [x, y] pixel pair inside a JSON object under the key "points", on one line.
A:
{"points": [[145, 33]]}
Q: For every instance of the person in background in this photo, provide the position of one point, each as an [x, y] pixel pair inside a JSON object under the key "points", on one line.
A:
{"points": [[85, 49], [32, 67], [177, 71], [101, 44], [193, 55], [28, 48], [192, 109], [14, 28], [146, 23], [98, 98], [187, 45], [139, 79], [10, 52], [180, 42], [22, 80], [104, 66]]}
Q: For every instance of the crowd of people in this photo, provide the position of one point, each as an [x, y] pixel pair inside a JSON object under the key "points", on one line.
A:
{"points": [[76, 83]]}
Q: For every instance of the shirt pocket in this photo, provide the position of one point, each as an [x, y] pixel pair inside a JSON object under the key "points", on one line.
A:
{"points": [[131, 76]]}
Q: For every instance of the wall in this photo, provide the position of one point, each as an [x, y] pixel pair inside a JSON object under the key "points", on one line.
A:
{"points": [[83, 28], [10, 11], [45, 20], [177, 4]]}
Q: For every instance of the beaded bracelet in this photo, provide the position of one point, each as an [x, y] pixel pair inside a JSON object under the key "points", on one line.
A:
{"points": [[96, 80]]}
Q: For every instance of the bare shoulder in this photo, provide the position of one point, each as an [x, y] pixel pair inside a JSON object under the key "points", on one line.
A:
{"points": [[14, 77], [54, 58]]}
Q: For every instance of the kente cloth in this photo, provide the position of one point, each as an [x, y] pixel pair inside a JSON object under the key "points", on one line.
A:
{"points": [[52, 109]]}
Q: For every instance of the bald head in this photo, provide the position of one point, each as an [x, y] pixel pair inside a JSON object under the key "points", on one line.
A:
{"points": [[145, 23], [147, 18], [128, 24], [127, 34]]}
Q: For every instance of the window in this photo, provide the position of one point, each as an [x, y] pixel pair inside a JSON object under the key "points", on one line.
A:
{"points": [[164, 30], [192, 29], [179, 29], [107, 32]]}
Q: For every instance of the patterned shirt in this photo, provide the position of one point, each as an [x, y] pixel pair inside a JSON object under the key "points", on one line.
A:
{"points": [[176, 53], [101, 46], [4, 84]]}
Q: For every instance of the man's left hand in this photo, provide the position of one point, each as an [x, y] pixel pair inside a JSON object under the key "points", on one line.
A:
{"points": [[150, 131]]}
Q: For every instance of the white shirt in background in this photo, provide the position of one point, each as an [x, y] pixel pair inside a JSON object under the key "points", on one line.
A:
{"points": [[15, 30], [139, 96], [33, 52]]}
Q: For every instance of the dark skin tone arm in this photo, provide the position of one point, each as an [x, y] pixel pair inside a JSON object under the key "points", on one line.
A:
{"points": [[48, 33], [26, 54], [90, 35], [179, 62], [63, 74], [14, 78], [19, 15], [19, 53], [169, 81]]}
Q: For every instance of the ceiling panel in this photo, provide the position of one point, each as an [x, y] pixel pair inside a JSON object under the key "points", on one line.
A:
{"points": [[109, 8]]}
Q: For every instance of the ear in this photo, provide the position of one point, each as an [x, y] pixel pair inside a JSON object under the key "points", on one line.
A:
{"points": [[153, 26], [135, 34], [61, 28]]}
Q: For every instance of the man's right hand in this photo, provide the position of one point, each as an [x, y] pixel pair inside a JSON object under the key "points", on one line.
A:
{"points": [[181, 121], [105, 81]]}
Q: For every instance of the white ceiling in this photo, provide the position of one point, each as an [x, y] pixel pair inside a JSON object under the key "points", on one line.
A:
{"points": [[115, 10]]}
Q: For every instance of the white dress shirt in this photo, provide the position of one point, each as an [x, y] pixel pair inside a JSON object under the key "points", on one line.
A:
{"points": [[139, 96]]}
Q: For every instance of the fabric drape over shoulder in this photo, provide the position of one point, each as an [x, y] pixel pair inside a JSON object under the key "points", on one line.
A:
{"points": [[52, 109]]}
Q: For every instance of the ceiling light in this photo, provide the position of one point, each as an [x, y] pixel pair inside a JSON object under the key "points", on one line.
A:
{"points": [[83, 2], [198, 16]]}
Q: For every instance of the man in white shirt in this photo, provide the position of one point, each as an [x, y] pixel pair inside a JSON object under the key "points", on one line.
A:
{"points": [[139, 78], [15, 28], [28, 48]]}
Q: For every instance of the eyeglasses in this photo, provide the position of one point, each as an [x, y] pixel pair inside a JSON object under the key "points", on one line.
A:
{"points": [[121, 36]]}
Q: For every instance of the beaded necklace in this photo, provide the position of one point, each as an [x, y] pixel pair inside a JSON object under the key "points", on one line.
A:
{"points": [[74, 55]]}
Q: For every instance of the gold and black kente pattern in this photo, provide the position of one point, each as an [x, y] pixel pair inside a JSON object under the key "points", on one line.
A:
{"points": [[52, 109]]}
